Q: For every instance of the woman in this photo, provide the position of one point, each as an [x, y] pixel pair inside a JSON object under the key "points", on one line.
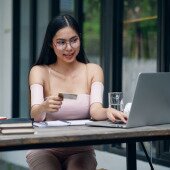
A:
{"points": [[63, 68]]}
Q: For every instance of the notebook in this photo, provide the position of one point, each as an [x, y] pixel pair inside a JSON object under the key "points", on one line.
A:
{"points": [[151, 102], [15, 123], [10, 131], [16, 126]]}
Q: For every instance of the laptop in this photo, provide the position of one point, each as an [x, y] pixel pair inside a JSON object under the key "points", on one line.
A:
{"points": [[150, 105]]}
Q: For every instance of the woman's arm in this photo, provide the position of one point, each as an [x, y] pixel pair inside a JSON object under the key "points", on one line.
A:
{"points": [[39, 106], [97, 111]]}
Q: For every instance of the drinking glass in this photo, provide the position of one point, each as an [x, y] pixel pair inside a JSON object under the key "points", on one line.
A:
{"points": [[116, 100]]}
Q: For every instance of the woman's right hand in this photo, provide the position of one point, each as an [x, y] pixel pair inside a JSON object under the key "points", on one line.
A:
{"points": [[52, 104]]}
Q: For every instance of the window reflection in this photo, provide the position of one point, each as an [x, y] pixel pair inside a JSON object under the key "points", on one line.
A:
{"points": [[91, 30], [66, 7], [139, 46], [24, 59], [139, 42]]}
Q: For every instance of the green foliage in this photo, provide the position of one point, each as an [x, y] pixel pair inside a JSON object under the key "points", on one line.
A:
{"points": [[140, 27], [91, 26]]}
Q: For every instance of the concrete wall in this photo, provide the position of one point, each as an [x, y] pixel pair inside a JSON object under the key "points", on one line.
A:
{"points": [[5, 57], [6, 73]]}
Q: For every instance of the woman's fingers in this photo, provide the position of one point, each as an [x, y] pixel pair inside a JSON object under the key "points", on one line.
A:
{"points": [[121, 116], [53, 103], [55, 98], [55, 106], [114, 114], [111, 117]]}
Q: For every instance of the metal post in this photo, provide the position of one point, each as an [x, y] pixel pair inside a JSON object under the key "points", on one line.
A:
{"points": [[131, 156]]}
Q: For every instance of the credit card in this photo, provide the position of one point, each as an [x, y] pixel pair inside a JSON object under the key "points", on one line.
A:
{"points": [[68, 96]]}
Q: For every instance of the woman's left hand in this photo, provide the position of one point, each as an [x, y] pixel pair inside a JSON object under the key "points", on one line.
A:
{"points": [[113, 115]]}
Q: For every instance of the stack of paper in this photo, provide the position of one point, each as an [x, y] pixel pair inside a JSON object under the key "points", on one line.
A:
{"points": [[61, 123]]}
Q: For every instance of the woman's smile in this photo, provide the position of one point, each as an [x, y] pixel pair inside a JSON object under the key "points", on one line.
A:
{"points": [[69, 55]]}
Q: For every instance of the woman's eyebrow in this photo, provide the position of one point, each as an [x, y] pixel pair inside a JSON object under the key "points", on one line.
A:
{"points": [[61, 39], [67, 39]]}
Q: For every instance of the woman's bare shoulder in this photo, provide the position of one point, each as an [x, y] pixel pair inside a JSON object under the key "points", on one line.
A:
{"points": [[37, 74], [95, 71], [38, 69], [94, 67]]}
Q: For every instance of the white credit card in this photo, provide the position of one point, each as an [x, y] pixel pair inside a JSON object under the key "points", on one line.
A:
{"points": [[68, 96]]}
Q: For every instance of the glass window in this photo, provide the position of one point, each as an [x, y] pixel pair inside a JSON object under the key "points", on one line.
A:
{"points": [[24, 58], [91, 30], [25, 47], [66, 7], [139, 42], [139, 45], [43, 17]]}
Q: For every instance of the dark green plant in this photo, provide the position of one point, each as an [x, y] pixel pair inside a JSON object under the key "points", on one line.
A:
{"points": [[140, 25], [92, 26]]}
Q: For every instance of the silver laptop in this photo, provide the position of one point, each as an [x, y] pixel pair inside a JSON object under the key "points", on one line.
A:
{"points": [[151, 102]]}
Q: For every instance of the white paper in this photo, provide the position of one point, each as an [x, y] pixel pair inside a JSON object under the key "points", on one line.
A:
{"points": [[57, 123], [61, 123], [39, 124], [79, 122]]}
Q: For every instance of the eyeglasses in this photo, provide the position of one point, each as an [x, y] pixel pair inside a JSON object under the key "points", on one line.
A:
{"points": [[61, 44]]}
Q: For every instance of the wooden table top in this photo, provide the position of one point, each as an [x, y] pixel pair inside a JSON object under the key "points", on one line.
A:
{"points": [[81, 135]]}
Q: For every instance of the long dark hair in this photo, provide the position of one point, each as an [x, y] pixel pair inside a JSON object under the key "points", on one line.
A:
{"points": [[47, 55]]}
